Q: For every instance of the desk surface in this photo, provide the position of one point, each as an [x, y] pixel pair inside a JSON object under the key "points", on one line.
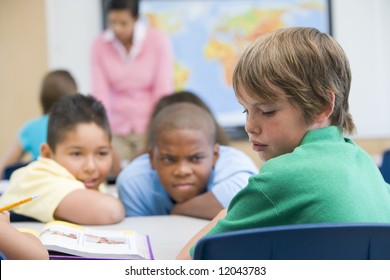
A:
{"points": [[168, 234]]}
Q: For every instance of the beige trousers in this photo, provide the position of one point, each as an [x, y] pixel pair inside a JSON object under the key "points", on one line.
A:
{"points": [[129, 146]]}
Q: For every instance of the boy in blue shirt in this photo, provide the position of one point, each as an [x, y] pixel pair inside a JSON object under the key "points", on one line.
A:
{"points": [[186, 171]]}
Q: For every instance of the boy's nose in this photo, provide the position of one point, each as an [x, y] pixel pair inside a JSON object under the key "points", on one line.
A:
{"points": [[252, 126], [90, 165], [183, 169]]}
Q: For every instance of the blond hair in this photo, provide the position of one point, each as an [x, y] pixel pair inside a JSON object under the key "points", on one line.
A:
{"points": [[306, 64]]}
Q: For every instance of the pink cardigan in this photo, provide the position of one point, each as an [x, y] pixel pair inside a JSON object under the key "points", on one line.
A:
{"points": [[129, 87]]}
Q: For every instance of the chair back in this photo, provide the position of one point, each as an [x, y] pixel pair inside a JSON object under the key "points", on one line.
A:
{"points": [[15, 217], [351, 241], [385, 167], [10, 169]]}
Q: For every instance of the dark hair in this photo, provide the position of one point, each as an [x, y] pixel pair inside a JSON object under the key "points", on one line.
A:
{"points": [[132, 6], [72, 110], [190, 97], [55, 85], [183, 116]]}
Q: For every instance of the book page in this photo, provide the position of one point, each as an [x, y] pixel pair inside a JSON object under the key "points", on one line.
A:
{"points": [[85, 242], [29, 230]]}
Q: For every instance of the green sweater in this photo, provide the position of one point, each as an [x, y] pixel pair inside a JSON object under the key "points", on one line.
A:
{"points": [[327, 179]]}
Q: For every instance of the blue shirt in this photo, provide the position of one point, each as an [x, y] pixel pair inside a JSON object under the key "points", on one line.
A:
{"points": [[142, 193], [33, 134]]}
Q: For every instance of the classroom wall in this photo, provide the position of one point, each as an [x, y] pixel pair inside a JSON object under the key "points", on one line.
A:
{"points": [[71, 27], [23, 61], [38, 35], [362, 29]]}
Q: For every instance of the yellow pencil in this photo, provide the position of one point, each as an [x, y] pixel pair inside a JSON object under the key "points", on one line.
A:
{"points": [[18, 203]]}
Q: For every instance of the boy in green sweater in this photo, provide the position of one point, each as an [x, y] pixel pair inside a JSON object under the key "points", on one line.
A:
{"points": [[294, 84]]}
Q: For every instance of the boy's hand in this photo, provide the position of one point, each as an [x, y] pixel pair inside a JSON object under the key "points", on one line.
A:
{"points": [[4, 216]]}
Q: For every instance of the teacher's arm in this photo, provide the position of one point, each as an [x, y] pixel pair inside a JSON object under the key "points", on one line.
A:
{"points": [[99, 79], [164, 79]]}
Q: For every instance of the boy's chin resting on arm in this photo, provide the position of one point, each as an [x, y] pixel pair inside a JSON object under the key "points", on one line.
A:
{"points": [[90, 207]]}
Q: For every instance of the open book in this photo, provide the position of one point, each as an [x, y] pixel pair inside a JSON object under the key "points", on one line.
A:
{"points": [[65, 240]]}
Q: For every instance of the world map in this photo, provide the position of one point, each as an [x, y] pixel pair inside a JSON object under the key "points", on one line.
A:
{"points": [[208, 37]]}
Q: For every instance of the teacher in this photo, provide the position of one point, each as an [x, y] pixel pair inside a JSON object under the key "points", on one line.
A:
{"points": [[132, 68]]}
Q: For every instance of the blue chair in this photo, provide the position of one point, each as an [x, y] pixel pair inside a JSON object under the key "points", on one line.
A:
{"points": [[10, 169], [15, 217], [350, 241], [385, 167]]}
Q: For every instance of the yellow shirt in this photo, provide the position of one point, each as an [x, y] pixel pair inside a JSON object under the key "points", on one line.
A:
{"points": [[43, 177]]}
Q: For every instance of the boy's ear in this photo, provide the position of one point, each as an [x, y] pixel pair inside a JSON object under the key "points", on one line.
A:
{"points": [[216, 152], [151, 155], [46, 152], [328, 110]]}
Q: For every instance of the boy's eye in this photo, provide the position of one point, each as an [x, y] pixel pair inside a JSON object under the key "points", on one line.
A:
{"points": [[269, 113], [196, 158], [245, 111], [75, 153], [167, 159], [103, 153]]}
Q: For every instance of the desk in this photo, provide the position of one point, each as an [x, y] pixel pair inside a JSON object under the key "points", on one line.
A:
{"points": [[168, 234]]}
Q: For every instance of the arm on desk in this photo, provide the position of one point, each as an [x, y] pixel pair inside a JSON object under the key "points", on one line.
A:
{"points": [[185, 252], [204, 206], [90, 207], [16, 245]]}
